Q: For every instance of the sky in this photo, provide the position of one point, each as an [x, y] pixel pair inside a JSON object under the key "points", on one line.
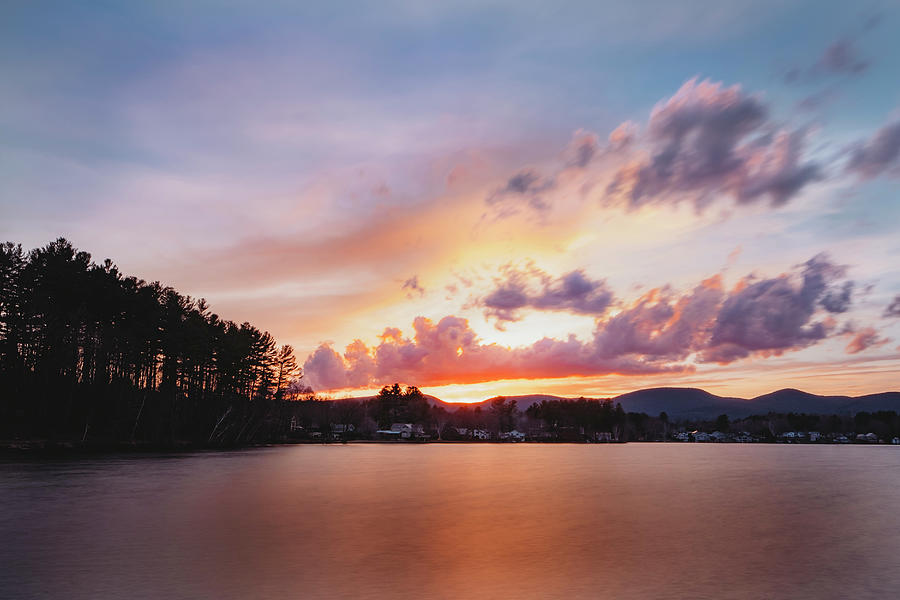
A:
{"points": [[483, 198]]}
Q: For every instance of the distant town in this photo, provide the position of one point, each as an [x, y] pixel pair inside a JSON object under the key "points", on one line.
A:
{"points": [[407, 415]]}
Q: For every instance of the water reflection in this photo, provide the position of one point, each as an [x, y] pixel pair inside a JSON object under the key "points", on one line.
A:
{"points": [[457, 521]]}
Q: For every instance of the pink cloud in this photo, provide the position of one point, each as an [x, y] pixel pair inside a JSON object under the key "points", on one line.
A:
{"points": [[864, 339], [658, 333], [449, 351]]}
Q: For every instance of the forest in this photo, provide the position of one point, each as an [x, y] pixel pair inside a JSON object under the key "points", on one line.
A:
{"points": [[91, 355]]}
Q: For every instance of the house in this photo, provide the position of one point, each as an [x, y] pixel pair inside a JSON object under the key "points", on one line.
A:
{"points": [[895, 441], [841, 439], [744, 438], [718, 436], [603, 436], [513, 436], [700, 436], [683, 436], [401, 431], [481, 434], [814, 436]]}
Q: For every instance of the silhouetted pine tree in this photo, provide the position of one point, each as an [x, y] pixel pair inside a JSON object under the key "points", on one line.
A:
{"points": [[89, 354]]}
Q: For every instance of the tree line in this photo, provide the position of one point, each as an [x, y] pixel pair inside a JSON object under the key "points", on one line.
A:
{"points": [[89, 354]]}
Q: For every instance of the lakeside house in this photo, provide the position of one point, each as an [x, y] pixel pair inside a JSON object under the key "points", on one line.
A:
{"points": [[401, 431]]}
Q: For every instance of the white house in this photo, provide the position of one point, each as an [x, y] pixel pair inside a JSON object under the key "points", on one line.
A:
{"points": [[402, 431], [481, 434]]}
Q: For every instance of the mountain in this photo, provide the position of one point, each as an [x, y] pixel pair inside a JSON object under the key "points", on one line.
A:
{"points": [[694, 403], [699, 404], [681, 403]]}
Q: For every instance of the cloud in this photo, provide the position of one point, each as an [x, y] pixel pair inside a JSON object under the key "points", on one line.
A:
{"points": [[528, 189], [525, 189], [662, 324], [775, 315], [878, 154], [582, 149], [840, 58], [532, 288], [449, 351], [838, 300], [708, 140], [324, 369], [623, 135], [864, 339], [893, 309], [412, 284], [660, 332]]}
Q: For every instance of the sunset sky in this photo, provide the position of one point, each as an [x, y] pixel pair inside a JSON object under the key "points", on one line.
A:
{"points": [[487, 197]]}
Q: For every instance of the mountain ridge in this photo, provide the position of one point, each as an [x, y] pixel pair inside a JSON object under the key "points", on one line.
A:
{"points": [[697, 403]]}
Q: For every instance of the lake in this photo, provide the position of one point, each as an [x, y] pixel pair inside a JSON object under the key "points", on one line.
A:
{"points": [[456, 521]]}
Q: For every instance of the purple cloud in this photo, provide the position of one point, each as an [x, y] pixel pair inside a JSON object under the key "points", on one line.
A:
{"points": [[524, 189], [893, 309], [842, 58], [661, 325], [838, 300], [878, 154], [522, 289], [708, 139], [413, 286], [774, 315]]}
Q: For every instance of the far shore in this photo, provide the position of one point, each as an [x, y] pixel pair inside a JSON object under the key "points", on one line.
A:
{"points": [[47, 448]]}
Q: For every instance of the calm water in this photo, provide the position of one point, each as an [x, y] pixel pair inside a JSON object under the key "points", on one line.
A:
{"points": [[457, 521]]}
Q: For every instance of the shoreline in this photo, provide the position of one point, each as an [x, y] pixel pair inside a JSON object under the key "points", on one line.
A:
{"points": [[47, 448]]}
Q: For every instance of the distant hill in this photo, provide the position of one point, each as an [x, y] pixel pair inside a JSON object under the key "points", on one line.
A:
{"points": [[699, 404], [791, 400], [694, 403], [681, 403]]}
